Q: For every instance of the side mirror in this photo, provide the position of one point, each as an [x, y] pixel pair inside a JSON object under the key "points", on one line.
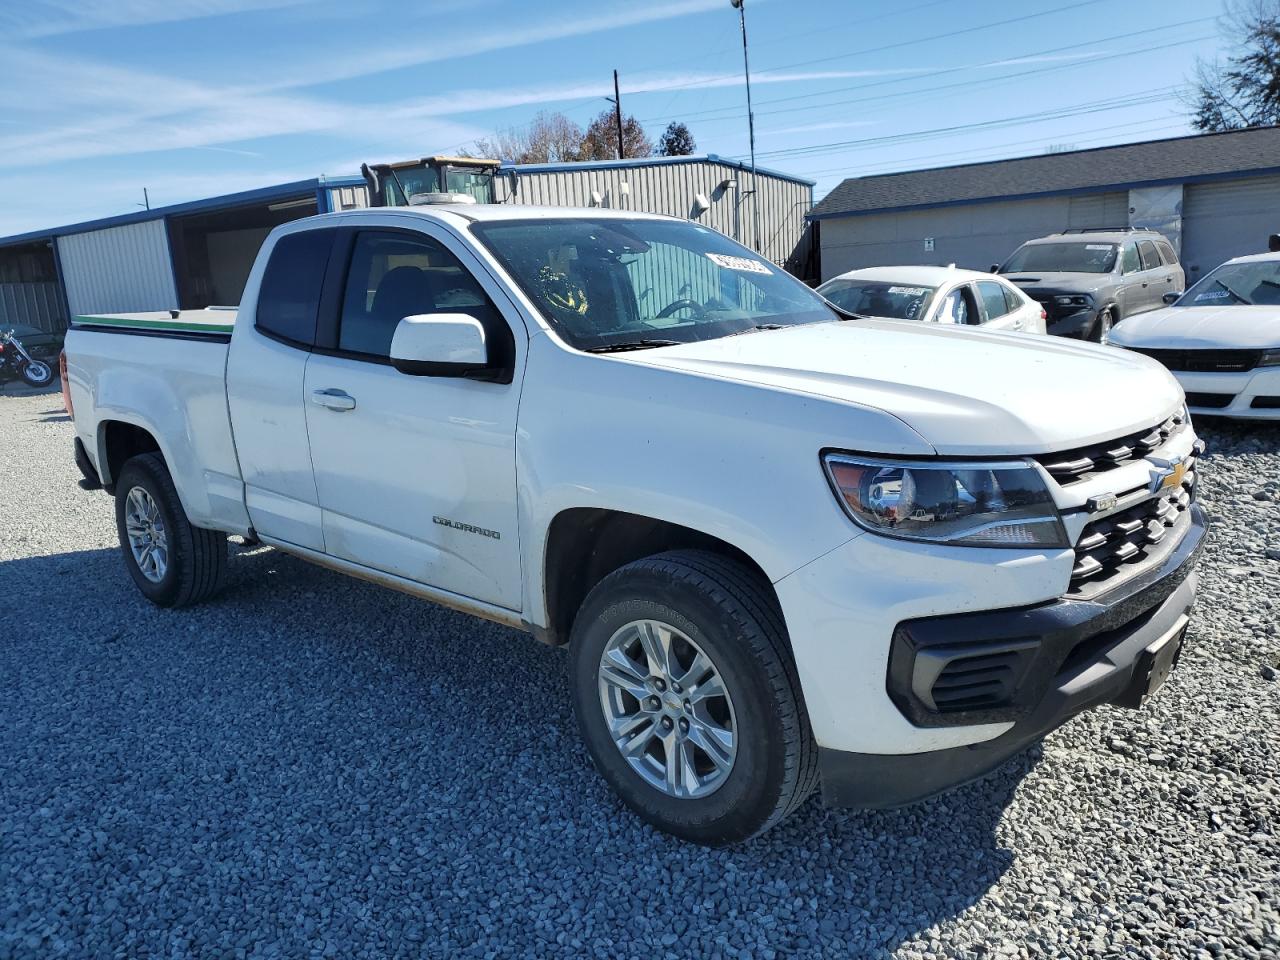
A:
{"points": [[1172, 296], [995, 268], [439, 345]]}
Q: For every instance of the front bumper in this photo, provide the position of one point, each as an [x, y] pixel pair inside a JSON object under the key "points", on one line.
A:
{"points": [[1249, 395], [1086, 653]]}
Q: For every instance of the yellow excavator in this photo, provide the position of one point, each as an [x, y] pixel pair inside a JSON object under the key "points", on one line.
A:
{"points": [[431, 180]]}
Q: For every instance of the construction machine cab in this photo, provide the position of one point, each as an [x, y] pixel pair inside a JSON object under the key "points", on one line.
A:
{"points": [[430, 179]]}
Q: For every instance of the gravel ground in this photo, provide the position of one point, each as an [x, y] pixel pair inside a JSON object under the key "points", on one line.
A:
{"points": [[312, 766]]}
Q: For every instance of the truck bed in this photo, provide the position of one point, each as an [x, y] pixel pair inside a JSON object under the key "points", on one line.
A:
{"points": [[163, 372]]}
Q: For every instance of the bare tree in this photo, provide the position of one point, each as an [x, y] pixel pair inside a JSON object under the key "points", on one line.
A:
{"points": [[1243, 91], [601, 140], [550, 138]]}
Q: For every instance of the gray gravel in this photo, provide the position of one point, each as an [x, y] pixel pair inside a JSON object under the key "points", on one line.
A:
{"points": [[312, 766]]}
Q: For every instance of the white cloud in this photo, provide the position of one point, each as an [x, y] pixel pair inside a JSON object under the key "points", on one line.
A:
{"points": [[52, 17]]}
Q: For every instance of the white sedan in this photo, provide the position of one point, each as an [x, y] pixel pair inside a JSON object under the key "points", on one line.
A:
{"points": [[935, 295], [1221, 339]]}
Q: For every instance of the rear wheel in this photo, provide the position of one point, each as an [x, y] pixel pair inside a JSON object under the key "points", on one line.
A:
{"points": [[687, 697], [37, 373], [1101, 331], [172, 562]]}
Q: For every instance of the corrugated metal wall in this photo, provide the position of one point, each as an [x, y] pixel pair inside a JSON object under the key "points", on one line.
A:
{"points": [[1227, 219], [120, 269], [35, 304], [973, 235], [348, 198], [671, 189]]}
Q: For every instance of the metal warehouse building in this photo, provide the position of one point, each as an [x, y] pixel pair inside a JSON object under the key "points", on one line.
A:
{"points": [[1215, 196], [198, 254], [709, 189]]}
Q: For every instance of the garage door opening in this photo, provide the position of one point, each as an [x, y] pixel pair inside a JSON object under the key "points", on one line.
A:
{"points": [[214, 252]]}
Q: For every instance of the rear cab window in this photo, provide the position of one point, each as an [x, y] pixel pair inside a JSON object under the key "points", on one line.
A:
{"points": [[289, 297]]}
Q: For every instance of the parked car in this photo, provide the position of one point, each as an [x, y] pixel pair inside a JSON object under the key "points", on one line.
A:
{"points": [[1221, 339], [935, 295], [1088, 280], [783, 546]]}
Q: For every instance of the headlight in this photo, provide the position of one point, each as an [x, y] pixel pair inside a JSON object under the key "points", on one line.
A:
{"points": [[1270, 358], [974, 504], [1075, 301]]}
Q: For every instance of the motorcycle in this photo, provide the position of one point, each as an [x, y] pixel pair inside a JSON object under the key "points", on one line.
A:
{"points": [[15, 361]]}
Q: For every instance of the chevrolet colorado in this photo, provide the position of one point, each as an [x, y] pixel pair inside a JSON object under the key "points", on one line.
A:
{"points": [[785, 546]]}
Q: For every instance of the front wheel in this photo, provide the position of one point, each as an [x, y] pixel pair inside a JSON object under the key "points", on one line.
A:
{"points": [[37, 373], [173, 563], [686, 694], [1101, 331]]}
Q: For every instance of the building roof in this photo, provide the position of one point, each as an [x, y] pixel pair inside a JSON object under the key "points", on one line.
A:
{"points": [[1153, 162], [272, 194], [578, 166]]}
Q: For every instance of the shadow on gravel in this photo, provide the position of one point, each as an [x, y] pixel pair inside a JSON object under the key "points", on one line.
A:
{"points": [[310, 763]]}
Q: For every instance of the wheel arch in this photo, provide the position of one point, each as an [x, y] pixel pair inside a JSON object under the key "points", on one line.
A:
{"points": [[586, 544], [118, 441]]}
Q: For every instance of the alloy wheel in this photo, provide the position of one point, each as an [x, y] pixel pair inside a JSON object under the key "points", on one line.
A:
{"points": [[148, 539], [668, 710]]}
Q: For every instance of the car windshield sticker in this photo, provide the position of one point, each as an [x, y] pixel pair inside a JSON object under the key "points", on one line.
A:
{"points": [[909, 291], [1097, 246], [745, 264], [1213, 295]]}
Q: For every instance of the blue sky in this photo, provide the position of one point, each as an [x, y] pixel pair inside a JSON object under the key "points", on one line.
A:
{"points": [[195, 98]]}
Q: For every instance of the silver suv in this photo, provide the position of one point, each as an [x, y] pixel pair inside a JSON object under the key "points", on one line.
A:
{"points": [[1089, 279]]}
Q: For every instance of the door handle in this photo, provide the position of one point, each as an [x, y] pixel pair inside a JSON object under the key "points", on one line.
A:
{"points": [[333, 399]]}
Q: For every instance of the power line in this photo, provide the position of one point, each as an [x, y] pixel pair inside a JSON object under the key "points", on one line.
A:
{"points": [[1097, 106], [971, 66]]}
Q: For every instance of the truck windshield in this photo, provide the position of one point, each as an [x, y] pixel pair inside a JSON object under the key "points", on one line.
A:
{"points": [[1256, 282], [879, 298], [614, 283], [1062, 258]]}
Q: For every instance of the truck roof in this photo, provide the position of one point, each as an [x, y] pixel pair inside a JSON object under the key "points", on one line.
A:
{"points": [[501, 211]]}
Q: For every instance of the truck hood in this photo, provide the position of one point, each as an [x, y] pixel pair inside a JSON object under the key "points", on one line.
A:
{"points": [[1042, 281], [964, 391], [1232, 327]]}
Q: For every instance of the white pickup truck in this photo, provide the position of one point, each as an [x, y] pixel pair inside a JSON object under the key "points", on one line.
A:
{"points": [[784, 546]]}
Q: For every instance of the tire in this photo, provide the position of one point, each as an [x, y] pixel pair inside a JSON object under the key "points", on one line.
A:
{"points": [[195, 559], [37, 373], [728, 612], [1101, 329]]}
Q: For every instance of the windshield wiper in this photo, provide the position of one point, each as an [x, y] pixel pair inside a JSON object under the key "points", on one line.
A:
{"points": [[758, 326], [625, 345]]}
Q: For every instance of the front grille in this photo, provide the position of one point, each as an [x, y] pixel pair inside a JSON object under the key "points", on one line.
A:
{"points": [[1205, 361], [1073, 466], [1111, 547], [1210, 401], [1266, 403]]}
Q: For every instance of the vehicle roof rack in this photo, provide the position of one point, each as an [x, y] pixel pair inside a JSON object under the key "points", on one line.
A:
{"points": [[1105, 229]]}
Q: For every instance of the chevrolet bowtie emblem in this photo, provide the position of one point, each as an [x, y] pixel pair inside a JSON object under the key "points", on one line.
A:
{"points": [[1168, 475]]}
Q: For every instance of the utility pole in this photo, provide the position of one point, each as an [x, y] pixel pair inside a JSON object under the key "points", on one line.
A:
{"points": [[741, 6], [617, 112]]}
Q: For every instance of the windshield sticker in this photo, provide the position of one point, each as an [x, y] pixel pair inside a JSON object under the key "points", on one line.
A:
{"points": [[745, 264], [909, 291], [1097, 246], [1213, 295]]}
